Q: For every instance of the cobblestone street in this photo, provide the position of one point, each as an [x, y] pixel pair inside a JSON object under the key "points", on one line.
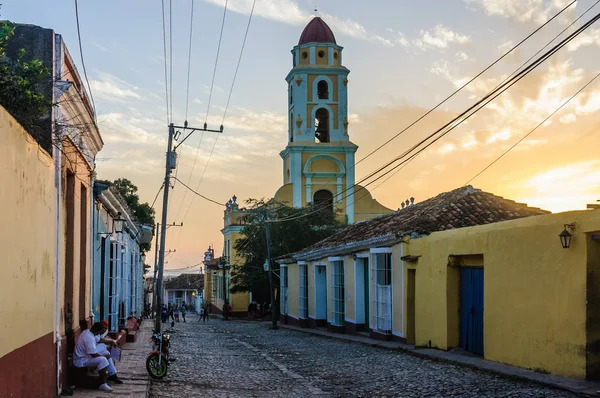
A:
{"points": [[243, 359]]}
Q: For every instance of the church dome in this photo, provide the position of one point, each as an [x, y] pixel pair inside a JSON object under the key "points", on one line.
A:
{"points": [[317, 31]]}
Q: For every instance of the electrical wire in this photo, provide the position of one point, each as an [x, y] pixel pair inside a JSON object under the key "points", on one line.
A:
{"points": [[212, 84], [513, 73], [534, 129], [457, 121], [239, 61], [82, 61], [455, 92], [187, 95], [171, 56], [199, 194], [156, 197], [165, 59]]}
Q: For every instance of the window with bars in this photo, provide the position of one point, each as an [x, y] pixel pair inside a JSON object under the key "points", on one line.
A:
{"points": [[284, 290], [303, 291], [381, 285], [337, 293], [113, 295]]}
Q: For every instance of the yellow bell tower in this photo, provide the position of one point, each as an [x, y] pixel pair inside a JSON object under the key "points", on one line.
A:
{"points": [[318, 162]]}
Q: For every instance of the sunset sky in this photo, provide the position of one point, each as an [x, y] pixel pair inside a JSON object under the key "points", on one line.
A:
{"points": [[404, 57]]}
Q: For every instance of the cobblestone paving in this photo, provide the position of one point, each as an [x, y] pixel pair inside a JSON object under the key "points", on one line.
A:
{"points": [[245, 359]]}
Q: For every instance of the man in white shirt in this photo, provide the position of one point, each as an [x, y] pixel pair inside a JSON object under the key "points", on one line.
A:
{"points": [[86, 355]]}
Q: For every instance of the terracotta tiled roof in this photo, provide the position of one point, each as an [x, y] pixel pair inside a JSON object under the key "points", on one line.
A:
{"points": [[462, 207], [317, 31], [186, 282]]}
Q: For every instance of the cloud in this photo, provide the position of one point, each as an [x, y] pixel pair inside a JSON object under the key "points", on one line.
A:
{"points": [[502, 135], [440, 37], [461, 56], [112, 88], [592, 36], [521, 10], [289, 12]]}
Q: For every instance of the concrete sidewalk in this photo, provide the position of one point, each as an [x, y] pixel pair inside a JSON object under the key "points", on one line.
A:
{"points": [[576, 386], [131, 368]]}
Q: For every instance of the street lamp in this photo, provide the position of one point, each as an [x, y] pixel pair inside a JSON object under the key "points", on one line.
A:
{"points": [[565, 236]]}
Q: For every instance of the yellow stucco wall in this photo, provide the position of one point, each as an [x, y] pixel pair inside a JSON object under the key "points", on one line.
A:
{"points": [[285, 194], [534, 290], [365, 206], [28, 237]]}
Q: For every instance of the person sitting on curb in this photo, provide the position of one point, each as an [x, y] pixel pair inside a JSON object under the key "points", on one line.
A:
{"points": [[102, 341], [86, 355]]}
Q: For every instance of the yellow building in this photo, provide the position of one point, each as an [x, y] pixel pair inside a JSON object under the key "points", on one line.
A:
{"points": [[464, 269], [318, 161]]}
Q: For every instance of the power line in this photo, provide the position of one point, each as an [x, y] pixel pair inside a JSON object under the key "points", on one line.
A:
{"points": [[455, 92], [156, 197], [165, 59], [534, 129], [239, 61], [187, 100], [199, 194], [82, 61], [512, 74], [171, 56], [456, 121], [187, 95], [212, 84]]}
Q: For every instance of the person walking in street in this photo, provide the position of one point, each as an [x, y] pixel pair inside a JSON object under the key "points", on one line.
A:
{"points": [[201, 313], [183, 310], [205, 318]]}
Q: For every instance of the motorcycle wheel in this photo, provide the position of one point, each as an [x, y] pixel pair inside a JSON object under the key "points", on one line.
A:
{"points": [[156, 370]]}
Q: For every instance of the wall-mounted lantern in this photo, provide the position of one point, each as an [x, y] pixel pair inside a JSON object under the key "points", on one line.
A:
{"points": [[117, 225], [565, 236]]}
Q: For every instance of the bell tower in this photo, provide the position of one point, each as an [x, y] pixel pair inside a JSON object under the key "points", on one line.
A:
{"points": [[318, 161], [319, 158]]}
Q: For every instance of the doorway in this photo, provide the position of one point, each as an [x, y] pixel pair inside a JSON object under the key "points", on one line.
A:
{"points": [[471, 309], [320, 295], [410, 306], [362, 293]]}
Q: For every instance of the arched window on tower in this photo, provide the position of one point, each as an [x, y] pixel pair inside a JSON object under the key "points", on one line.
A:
{"points": [[323, 200], [323, 90], [322, 125]]}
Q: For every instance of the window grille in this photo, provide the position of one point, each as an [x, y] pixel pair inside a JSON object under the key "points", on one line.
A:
{"points": [[284, 290], [303, 290], [381, 285], [113, 296], [337, 290]]}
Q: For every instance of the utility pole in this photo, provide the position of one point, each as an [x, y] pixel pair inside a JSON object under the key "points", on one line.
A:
{"points": [[170, 166], [273, 318], [154, 308]]}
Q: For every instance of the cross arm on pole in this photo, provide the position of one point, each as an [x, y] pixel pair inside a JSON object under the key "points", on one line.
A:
{"points": [[194, 129]]}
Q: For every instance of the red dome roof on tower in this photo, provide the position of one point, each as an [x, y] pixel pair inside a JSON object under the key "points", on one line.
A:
{"points": [[317, 31]]}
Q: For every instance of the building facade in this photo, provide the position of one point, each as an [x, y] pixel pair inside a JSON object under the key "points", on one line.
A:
{"points": [[118, 267], [465, 269], [70, 139]]}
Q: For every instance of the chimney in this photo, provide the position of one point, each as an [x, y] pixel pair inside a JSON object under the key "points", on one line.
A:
{"points": [[412, 201], [403, 205]]}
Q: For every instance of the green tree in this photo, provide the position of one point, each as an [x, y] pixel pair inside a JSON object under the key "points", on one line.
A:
{"points": [[142, 212], [286, 237], [22, 84]]}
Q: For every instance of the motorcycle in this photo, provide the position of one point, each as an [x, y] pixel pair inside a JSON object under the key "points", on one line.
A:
{"points": [[157, 361]]}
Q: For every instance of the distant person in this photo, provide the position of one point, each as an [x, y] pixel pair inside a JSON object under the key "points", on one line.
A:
{"points": [[206, 311], [227, 310], [183, 310], [201, 313]]}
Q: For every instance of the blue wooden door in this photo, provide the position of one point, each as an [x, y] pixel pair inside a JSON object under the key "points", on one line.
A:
{"points": [[471, 309]]}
